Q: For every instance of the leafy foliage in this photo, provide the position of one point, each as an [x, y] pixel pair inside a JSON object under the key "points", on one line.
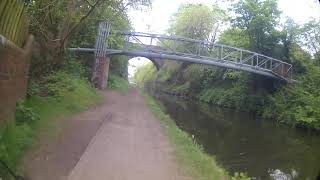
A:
{"points": [[197, 21], [311, 35], [25, 114], [118, 83], [235, 37], [255, 27], [71, 23], [144, 73], [258, 18], [299, 104]]}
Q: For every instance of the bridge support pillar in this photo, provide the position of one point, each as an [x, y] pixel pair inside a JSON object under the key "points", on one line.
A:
{"points": [[158, 63], [100, 77]]}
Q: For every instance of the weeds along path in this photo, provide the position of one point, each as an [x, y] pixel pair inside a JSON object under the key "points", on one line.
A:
{"points": [[126, 143]]}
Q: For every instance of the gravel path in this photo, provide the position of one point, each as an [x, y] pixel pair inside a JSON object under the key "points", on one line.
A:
{"points": [[128, 143]]}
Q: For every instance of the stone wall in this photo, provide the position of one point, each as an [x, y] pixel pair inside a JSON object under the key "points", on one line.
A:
{"points": [[14, 68]]}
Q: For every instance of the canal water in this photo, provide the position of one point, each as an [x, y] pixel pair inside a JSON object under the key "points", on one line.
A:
{"points": [[241, 142]]}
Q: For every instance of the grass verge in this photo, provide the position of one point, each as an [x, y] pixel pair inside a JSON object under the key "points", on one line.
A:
{"points": [[193, 160], [18, 136]]}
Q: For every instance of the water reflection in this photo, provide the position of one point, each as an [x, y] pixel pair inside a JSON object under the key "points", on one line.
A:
{"points": [[242, 143]]}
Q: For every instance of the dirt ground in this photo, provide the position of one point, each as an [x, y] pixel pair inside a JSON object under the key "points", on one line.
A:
{"points": [[118, 140]]}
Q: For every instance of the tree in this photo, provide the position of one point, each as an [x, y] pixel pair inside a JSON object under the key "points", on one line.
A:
{"points": [[259, 19], [197, 21], [54, 22], [235, 37], [311, 35]]}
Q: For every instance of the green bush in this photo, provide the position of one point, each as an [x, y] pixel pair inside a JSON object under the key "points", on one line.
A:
{"points": [[25, 114], [298, 104], [73, 67], [60, 83], [117, 83], [33, 88]]}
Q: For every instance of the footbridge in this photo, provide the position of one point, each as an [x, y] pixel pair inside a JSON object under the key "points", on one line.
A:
{"points": [[158, 47]]}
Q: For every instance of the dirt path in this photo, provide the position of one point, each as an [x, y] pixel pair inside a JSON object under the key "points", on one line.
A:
{"points": [[128, 144]]}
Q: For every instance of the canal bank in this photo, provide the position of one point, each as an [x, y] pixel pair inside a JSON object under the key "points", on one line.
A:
{"points": [[190, 155], [241, 142]]}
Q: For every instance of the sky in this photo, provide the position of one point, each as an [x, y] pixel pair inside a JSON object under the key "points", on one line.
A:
{"points": [[157, 18]]}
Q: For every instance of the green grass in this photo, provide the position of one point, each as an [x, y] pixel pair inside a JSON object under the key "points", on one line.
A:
{"points": [[193, 160], [118, 83], [17, 138], [190, 156]]}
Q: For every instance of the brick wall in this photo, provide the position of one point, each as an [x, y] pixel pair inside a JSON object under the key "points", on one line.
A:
{"points": [[14, 68]]}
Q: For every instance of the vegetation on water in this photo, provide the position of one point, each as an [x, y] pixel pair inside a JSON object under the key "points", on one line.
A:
{"points": [[255, 26], [193, 159]]}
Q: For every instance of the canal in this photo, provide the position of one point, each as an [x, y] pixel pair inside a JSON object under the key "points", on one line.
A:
{"points": [[241, 142]]}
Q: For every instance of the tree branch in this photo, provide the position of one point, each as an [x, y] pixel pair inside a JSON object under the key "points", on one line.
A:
{"points": [[89, 3], [74, 28]]}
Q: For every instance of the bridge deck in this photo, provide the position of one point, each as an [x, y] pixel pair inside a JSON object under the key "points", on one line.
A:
{"points": [[195, 51]]}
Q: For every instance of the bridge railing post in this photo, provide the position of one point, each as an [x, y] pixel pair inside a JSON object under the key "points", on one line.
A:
{"points": [[221, 52], [126, 44]]}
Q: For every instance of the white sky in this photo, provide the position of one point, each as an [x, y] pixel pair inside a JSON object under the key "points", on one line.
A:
{"points": [[157, 18]]}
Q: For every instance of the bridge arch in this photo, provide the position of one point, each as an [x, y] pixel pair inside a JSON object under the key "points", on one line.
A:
{"points": [[158, 63], [136, 62]]}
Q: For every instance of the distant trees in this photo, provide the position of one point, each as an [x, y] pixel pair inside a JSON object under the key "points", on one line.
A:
{"points": [[259, 19], [310, 35], [256, 26], [197, 21]]}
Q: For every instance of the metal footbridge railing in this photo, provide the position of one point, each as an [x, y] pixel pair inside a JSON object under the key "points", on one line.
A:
{"points": [[195, 51]]}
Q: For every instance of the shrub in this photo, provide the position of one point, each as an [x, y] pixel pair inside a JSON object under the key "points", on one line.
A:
{"points": [[298, 104], [117, 83], [59, 83], [25, 114]]}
